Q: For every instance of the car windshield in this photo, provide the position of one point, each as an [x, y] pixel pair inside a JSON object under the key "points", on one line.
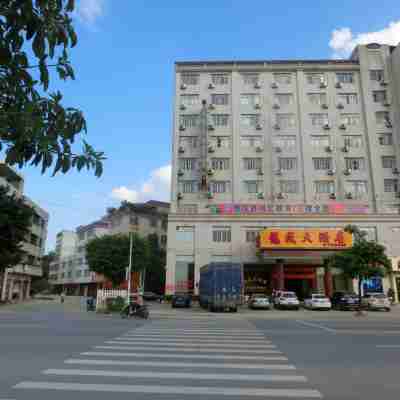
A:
{"points": [[291, 295], [318, 296]]}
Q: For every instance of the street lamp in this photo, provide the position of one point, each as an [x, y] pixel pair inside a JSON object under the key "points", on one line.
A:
{"points": [[130, 267]]}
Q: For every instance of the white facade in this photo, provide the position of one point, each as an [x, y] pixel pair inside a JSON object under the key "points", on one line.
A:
{"points": [[65, 243], [282, 144]]}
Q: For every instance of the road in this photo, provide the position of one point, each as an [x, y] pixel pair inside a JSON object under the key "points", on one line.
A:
{"points": [[52, 350]]}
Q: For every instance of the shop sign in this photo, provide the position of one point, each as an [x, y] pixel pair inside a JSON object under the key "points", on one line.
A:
{"points": [[332, 208], [305, 239]]}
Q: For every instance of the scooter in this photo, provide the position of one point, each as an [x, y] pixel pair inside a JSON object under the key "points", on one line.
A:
{"points": [[135, 310]]}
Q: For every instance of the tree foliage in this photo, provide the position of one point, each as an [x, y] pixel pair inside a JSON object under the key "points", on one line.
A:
{"points": [[36, 128], [15, 223], [109, 255]]}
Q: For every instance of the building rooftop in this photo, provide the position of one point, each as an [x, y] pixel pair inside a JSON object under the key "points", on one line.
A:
{"points": [[266, 62]]}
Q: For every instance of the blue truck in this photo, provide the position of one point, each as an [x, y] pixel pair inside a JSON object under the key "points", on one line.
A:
{"points": [[221, 286]]}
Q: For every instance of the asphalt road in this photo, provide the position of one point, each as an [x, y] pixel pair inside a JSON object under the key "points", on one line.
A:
{"points": [[53, 351]]}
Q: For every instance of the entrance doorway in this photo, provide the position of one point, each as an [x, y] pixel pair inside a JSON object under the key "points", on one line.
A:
{"points": [[302, 287], [257, 279]]}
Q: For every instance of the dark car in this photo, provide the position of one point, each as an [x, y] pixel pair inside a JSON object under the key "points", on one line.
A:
{"points": [[181, 300], [150, 296], [345, 301]]}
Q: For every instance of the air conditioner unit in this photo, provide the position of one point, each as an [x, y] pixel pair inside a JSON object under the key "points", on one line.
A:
{"points": [[388, 124], [180, 173], [210, 172], [345, 149], [381, 140], [331, 172], [260, 172], [211, 86], [211, 149], [258, 127], [278, 172], [183, 86], [179, 196], [384, 83], [342, 126], [181, 127], [210, 195], [182, 107], [327, 126], [274, 85], [278, 149], [340, 106], [349, 195], [324, 106], [328, 149], [276, 106], [279, 196], [181, 149], [396, 171], [347, 172], [257, 86], [260, 196], [323, 85], [210, 127], [332, 196], [277, 127], [387, 104], [338, 85], [211, 106], [259, 149], [257, 106]]}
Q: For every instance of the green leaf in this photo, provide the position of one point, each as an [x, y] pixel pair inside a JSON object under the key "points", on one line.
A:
{"points": [[44, 75], [38, 45]]}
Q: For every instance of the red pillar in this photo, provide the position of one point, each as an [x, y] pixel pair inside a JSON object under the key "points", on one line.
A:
{"points": [[280, 275], [328, 283]]}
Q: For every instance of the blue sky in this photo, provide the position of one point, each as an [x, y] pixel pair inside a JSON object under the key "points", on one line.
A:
{"points": [[124, 66]]}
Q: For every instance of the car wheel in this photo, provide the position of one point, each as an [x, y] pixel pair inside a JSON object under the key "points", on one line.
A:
{"points": [[387, 309]]}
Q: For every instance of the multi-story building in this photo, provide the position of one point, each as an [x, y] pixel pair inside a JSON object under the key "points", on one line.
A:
{"points": [[290, 151], [16, 282], [65, 243]]}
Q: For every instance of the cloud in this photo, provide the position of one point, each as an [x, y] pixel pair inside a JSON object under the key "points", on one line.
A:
{"points": [[89, 11], [156, 187], [343, 41]]}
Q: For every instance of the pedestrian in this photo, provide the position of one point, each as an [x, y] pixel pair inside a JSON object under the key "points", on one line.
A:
{"points": [[62, 297], [390, 295]]}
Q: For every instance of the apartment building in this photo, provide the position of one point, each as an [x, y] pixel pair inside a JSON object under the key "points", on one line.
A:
{"points": [[287, 151], [15, 283]]}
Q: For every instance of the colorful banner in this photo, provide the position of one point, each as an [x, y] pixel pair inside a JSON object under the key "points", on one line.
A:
{"points": [[325, 239], [332, 208]]}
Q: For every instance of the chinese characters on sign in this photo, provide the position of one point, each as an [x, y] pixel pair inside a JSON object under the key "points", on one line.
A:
{"points": [[305, 239], [331, 208]]}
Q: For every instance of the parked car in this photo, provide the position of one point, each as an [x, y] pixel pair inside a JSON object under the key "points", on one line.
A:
{"points": [[376, 301], [345, 301], [287, 300], [181, 300], [259, 301], [150, 296], [317, 302]]}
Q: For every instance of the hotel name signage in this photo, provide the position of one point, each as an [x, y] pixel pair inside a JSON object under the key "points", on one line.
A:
{"points": [[312, 239], [333, 208]]}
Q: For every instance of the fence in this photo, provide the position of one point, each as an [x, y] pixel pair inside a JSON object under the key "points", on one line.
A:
{"points": [[104, 294]]}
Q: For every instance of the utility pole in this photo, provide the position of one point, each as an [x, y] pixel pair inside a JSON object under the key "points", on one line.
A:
{"points": [[130, 267]]}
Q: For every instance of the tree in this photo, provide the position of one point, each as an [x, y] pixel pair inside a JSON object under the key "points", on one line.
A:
{"points": [[155, 273], [15, 223], [35, 36], [109, 255], [364, 260]]}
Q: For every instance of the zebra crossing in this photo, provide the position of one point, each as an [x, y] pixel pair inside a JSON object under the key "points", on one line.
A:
{"points": [[175, 359]]}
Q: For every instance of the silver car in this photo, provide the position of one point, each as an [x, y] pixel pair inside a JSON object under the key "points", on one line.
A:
{"points": [[376, 301], [259, 301]]}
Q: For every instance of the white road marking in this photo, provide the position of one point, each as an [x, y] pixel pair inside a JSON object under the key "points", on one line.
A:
{"points": [[191, 340], [388, 346], [176, 375], [177, 344], [185, 390], [199, 332], [189, 350], [178, 364], [325, 328], [186, 356]]}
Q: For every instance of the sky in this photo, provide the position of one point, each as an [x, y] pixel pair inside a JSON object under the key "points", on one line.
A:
{"points": [[124, 66]]}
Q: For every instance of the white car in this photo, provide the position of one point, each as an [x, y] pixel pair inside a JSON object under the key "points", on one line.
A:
{"points": [[376, 301], [318, 302], [287, 300]]}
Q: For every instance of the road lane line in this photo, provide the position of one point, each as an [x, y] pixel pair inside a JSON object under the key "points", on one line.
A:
{"points": [[178, 364], [176, 375], [388, 346], [191, 340], [325, 328], [186, 356], [185, 390]]}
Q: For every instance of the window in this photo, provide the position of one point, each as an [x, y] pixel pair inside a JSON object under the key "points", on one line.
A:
{"points": [[189, 121], [78, 273], [69, 274], [249, 120], [253, 187], [391, 185], [285, 143], [283, 79], [287, 164], [284, 99], [221, 234], [286, 120], [188, 163], [220, 99], [376, 75], [81, 235], [389, 162], [219, 187], [36, 220], [317, 98], [184, 233], [252, 236], [322, 163], [319, 119], [375, 58], [324, 187], [251, 141], [252, 163], [221, 141], [190, 79], [188, 209], [220, 119], [163, 240], [379, 96], [34, 239], [188, 142], [189, 100], [250, 99], [189, 186], [315, 78], [348, 98], [350, 119], [370, 233], [87, 272], [220, 79], [250, 79], [289, 186], [382, 118], [354, 142], [355, 164], [358, 189], [320, 142], [385, 139], [220, 163], [344, 77]]}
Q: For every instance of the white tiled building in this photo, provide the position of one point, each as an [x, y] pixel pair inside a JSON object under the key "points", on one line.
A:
{"points": [[289, 144]]}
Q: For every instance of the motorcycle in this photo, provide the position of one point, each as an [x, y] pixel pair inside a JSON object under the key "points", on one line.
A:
{"points": [[135, 310]]}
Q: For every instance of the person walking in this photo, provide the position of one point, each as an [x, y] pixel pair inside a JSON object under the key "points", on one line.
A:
{"points": [[390, 295], [62, 297]]}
